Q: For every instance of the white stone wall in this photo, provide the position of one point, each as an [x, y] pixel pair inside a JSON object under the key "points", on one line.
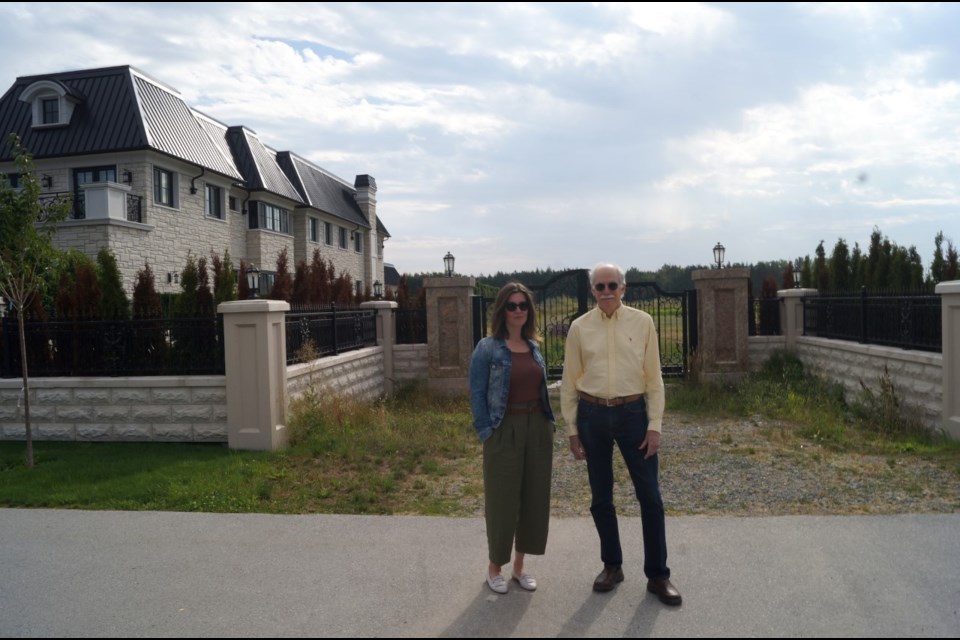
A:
{"points": [[355, 373], [410, 362], [759, 349], [917, 376], [162, 409]]}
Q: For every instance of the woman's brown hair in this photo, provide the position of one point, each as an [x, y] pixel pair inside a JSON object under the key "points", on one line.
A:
{"points": [[498, 318]]}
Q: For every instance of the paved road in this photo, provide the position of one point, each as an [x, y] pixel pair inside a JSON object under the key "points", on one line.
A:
{"points": [[150, 574]]}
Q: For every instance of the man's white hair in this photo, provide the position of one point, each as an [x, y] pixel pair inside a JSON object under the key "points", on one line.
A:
{"points": [[621, 274]]}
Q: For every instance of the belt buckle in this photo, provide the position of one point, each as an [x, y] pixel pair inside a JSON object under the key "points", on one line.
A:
{"points": [[608, 402]]}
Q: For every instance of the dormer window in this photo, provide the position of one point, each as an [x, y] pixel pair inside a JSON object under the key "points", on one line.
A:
{"points": [[52, 103], [51, 110]]}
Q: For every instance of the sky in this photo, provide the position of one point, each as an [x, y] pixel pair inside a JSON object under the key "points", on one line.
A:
{"points": [[519, 136]]}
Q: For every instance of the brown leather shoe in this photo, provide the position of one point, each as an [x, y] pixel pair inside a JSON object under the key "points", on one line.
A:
{"points": [[665, 590], [608, 578]]}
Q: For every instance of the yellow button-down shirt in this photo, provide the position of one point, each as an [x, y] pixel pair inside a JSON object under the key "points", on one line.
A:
{"points": [[610, 357]]}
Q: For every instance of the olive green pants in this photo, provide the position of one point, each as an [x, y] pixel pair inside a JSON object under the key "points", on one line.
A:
{"points": [[517, 463]]}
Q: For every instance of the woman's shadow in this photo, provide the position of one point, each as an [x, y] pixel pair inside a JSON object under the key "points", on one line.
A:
{"points": [[490, 615]]}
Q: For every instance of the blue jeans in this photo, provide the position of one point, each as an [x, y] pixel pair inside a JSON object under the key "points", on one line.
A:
{"points": [[599, 427]]}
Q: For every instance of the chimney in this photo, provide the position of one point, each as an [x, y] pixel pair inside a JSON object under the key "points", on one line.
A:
{"points": [[366, 196]]}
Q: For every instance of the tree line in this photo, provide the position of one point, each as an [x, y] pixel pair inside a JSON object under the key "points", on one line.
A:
{"points": [[883, 266]]}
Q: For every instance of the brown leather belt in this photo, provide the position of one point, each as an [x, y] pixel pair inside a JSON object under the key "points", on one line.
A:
{"points": [[609, 402], [525, 407]]}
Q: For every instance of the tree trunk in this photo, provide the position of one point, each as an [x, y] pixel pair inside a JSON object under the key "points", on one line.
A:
{"points": [[26, 386]]}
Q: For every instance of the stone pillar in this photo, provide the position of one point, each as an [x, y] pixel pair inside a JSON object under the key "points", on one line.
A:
{"points": [[255, 350], [722, 301], [791, 320], [386, 337], [950, 303], [449, 333]]}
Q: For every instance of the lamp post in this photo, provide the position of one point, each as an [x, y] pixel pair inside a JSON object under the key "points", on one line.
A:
{"points": [[796, 279], [253, 281], [448, 264], [377, 290], [718, 252]]}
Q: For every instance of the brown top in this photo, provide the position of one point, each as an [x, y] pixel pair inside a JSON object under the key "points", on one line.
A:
{"points": [[525, 378]]}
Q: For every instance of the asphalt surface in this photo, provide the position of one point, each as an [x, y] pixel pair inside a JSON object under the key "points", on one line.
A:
{"points": [[150, 574]]}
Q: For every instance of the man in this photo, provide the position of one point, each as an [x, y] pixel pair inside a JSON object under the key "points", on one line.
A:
{"points": [[612, 391]]}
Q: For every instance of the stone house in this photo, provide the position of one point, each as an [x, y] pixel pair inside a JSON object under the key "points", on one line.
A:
{"points": [[153, 179]]}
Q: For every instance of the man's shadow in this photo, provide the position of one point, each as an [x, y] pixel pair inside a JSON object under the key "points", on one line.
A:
{"points": [[579, 624]]}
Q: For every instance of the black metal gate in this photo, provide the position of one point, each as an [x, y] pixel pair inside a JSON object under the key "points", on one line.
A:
{"points": [[566, 297]]}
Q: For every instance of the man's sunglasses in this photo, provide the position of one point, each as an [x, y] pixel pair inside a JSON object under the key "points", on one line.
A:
{"points": [[513, 306], [613, 286]]}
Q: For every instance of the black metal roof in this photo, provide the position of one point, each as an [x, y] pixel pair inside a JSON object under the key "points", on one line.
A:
{"points": [[173, 128], [390, 275], [322, 190], [106, 117], [123, 109], [258, 164]]}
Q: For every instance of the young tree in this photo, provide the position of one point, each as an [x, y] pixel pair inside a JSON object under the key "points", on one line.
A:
{"points": [[146, 300], [282, 284], [188, 304], [937, 265], [205, 306], [27, 226], [301, 284], [840, 271], [224, 280], [243, 289], [113, 303]]}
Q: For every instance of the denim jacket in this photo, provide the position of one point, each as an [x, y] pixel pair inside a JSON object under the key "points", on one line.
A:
{"points": [[490, 384]]}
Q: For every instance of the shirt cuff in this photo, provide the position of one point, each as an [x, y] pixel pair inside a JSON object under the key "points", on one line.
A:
{"points": [[655, 425]]}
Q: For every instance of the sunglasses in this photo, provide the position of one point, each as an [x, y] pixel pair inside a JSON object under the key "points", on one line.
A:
{"points": [[613, 286], [513, 306]]}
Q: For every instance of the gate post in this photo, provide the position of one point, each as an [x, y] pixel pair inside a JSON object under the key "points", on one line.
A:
{"points": [[950, 309], [386, 337], [722, 322], [255, 355], [791, 320], [449, 333]]}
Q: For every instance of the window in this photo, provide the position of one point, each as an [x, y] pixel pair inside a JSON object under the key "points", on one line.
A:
{"points": [[51, 103], [358, 242], [314, 230], [273, 218], [51, 110], [343, 237], [328, 233], [163, 186], [233, 203], [359, 287], [13, 179], [214, 201]]}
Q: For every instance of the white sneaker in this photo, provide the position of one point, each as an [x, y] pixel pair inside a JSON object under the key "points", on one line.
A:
{"points": [[496, 583], [526, 581]]}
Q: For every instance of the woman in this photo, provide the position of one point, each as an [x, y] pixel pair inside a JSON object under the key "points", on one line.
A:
{"points": [[513, 418]]}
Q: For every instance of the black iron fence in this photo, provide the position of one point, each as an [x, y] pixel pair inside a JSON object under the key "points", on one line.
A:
{"points": [[764, 316], [907, 321], [329, 332], [411, 326], [143, 347]]}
